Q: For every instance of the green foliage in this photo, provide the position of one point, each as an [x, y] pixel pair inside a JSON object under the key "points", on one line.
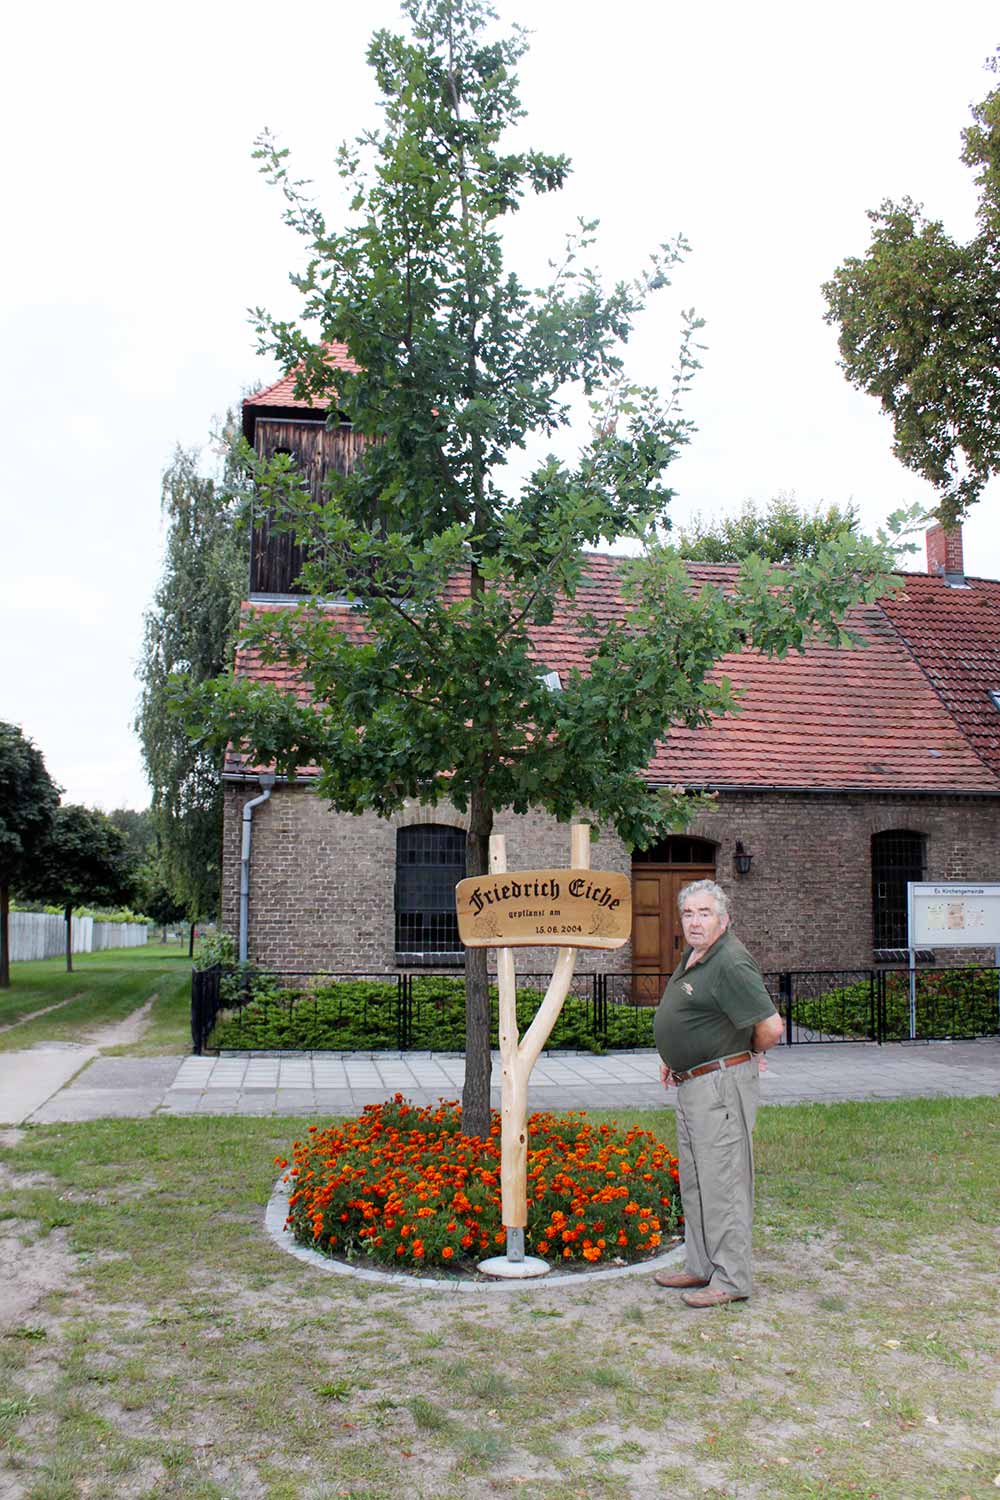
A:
{"points": [[28, 800], [139, 832], [917, 319], [781, 532], [190, 629], [262, 1013], [82, 858], [956, 1003], [215, 948], [433, 690]]}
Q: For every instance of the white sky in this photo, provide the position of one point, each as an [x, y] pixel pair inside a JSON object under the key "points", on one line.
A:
{"points": [[138, 233]]}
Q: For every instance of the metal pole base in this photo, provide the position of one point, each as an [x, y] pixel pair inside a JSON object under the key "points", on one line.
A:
{"points": [[499, 1267], [515, 1264]]}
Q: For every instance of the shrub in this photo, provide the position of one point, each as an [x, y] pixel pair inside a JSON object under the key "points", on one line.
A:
{"points": [[949, 1002], [260, 1012], [405, 1187]]}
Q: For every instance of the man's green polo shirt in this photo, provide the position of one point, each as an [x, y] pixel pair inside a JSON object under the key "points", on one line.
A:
{"points": [[711, 1010]]}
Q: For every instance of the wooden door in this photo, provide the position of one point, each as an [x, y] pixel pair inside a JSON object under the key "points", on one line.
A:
{"points": [[657, 939]]}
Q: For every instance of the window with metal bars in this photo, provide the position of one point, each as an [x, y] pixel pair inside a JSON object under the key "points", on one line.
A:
{"points": [[430, 861], [898, 856], [677, 851]]}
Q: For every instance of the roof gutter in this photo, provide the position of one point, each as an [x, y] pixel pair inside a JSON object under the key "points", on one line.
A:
{"points": [[266, 782], [840, 791]]}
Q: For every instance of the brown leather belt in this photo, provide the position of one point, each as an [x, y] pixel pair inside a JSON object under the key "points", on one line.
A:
{"points": [[712, 1067]]}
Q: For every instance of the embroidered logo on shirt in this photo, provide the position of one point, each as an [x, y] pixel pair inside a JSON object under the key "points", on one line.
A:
{"points": [[687, 988]]}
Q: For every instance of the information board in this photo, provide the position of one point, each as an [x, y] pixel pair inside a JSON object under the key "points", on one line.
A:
{"points": [[953, 915], [545, 909]]}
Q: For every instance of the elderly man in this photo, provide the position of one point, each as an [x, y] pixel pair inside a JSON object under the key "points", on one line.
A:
{"points": [[714, 1019]]}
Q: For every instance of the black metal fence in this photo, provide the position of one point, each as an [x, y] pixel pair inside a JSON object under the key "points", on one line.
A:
{"points": [[251, 1009]]}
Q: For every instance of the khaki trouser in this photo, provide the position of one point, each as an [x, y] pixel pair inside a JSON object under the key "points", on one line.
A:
{"points": [[715, 1119]]}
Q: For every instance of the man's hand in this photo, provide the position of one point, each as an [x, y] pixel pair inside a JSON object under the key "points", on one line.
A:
{"points": [[666, 1077]]}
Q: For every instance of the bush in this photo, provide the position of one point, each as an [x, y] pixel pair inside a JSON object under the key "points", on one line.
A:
{"points": [[405, 1187], [260, 1012], [949, 1002]]}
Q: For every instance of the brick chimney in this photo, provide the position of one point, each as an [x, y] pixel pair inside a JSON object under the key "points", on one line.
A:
{"points": [[944, 553]]}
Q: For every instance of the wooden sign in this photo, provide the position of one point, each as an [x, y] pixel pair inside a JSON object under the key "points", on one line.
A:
{"points": [[545, 909]]}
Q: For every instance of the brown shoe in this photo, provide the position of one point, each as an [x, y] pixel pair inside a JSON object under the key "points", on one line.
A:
{"points": [[710, 1297], [677, 1279]]}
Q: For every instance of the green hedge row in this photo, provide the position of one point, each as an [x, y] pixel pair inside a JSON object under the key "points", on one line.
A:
{"points": [[949, 1002], [361, 1016]]}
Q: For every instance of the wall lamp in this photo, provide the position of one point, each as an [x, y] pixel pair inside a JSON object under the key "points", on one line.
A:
{"points": [[742, 859]]}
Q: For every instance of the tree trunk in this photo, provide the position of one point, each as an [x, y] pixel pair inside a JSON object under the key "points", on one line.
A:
{"points": [[191, 941], [478, 1060], [4, 937], [69, 940]]}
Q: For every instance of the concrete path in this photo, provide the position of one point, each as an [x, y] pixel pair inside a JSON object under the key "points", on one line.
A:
{"points": [[32, 1082]]}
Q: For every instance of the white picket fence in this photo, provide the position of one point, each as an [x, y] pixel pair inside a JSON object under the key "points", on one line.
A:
{"points": [[41, 935]]}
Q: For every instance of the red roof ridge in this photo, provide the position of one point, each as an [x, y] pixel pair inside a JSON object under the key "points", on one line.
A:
{"points": [[282, 391]]}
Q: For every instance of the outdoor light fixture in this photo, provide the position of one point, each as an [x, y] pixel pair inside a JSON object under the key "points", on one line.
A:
{"points": [[742, 859]]}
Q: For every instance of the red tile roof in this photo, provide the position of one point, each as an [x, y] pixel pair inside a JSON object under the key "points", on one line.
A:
{"points": [[282, 392], [954, 633], [854, 718]]}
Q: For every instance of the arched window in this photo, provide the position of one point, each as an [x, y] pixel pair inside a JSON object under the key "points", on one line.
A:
{"points": [[430, 861], [677, 850], [898, 856]]}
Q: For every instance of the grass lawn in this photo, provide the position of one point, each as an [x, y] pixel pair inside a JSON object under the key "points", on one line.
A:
{"points": [[103, 988], [154, 1343]]}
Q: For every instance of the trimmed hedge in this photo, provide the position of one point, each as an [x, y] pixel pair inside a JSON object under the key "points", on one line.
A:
{"points": [[957, 1003], [262, 1014]]}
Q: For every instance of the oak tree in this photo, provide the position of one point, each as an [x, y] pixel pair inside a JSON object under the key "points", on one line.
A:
{"points": [[448, 563], [917, 315]]}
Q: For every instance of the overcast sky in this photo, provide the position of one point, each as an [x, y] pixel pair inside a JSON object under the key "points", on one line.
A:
{"points": [[138, 232]]}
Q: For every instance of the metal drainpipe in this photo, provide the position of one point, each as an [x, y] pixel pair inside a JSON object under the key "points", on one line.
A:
{"points": [[267, 782]]}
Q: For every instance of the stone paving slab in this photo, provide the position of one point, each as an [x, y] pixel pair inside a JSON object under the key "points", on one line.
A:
{"points": [[32, 1082]]}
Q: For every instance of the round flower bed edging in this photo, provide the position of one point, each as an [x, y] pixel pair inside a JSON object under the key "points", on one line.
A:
{"points": [[277, 1213], [401, 1188]]}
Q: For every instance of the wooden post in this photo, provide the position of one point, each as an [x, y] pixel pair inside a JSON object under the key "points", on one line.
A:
{"points": [[518, 1059]]}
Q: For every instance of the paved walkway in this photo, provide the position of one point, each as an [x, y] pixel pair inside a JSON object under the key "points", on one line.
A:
{"points": [[39, 1085]]}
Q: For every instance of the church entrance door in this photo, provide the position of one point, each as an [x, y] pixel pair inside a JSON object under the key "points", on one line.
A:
{"points": [[658, 877]]}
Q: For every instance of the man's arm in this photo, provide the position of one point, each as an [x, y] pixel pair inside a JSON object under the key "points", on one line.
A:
{"points": [[766, 1033]]}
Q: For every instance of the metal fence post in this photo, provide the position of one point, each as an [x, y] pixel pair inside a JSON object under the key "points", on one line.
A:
{"points": [[785, 997]]}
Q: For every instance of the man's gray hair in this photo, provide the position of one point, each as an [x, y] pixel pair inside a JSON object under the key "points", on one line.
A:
{"points": [[709, 888]]}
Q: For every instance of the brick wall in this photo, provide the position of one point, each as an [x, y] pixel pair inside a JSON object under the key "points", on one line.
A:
{"points": [[807, 902], [321, 886], [321, 883]]}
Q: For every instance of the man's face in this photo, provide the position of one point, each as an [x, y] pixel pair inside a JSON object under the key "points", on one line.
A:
{"points": [[701, 921]]}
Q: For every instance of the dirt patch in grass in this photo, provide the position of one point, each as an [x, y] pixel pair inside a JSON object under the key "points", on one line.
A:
{"points": [[185, 1356]]}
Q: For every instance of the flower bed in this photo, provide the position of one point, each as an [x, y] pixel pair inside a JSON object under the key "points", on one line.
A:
{"points": [[405, 1187]]}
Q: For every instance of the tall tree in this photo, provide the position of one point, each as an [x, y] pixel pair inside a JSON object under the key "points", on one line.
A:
{"points": [[451, 565], [81, 859], [138, 830], [28, 800], [781, 532], [918, 328], [191, 628]]}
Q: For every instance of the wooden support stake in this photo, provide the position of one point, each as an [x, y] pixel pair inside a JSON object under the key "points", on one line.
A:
{"points": [[517, 1060]]}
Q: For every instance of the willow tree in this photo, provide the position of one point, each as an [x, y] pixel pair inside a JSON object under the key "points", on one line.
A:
{"points": [[453, 565], [190, 628]]}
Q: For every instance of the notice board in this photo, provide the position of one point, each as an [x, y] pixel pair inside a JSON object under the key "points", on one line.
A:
{"points": [[953, 915]]}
